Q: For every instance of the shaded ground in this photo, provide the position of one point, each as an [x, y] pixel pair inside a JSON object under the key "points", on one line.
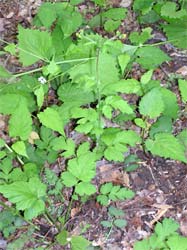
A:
{"points": [[160, 185]]}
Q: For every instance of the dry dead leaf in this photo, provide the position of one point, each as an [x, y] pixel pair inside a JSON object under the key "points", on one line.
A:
{"points": [[182, 71], [74, 211], [32, 137], [162, 209]]}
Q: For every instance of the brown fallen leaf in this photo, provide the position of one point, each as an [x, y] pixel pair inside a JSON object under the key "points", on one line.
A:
{"points": [[182, 71], [162, 209], [74, 211], [32, 137]]}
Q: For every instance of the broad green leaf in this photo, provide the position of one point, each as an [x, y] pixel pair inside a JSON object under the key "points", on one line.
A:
{"points": [[117, 102], [4, 73], [140, 123], [9, 103], [138, 39], [176, 33], [142, 245], [34, 45], [85, 188], [183, 89], [20, 148], [150, 57], [169, 9], [52, 119], [40, 96], [115, 13], [129, 137], [115, 211], [20, 123], [129, 86], [182, 137], [62, 237], [142, 5], [111, 25], [47, 14], [112, 154], [170, 103], [106, 223], [146, 77], [167, 146], [11, 48], [27, 196], [2, 143], [83, 167], [177, 242], [79, 243], [123, 60], [152, 104], [120, 223], [162, 125]]}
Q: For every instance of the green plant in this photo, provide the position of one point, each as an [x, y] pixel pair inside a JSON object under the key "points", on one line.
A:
{"points": [[109, 192], [87, 76], [165, 237]]}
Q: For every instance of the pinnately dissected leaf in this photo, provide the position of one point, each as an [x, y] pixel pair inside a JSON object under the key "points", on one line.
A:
{"points": [[34, 45], [167, 146], [51, 119], [152, 104], [27, 196]]}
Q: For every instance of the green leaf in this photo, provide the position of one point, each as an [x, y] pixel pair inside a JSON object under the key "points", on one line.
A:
{"points": [[166, 228], [143, 5], [103, 199], [120, 223], [79, 243], [117, 102], [111, 25], [140, 123], [112, 154], [170, 103], [167, 146], [52, 119], [83, 167], [47, 14], [123, 60], [85, 188], [152, 104], [115, 13], [177, 242], [20, 123], [183, 89], [106, 223], [115, 211], [68, 179], [182, 137], [11, 48], [62, 237], [20, 148], [4, 73], [169, 9], [27, 196], [176, 33], [150, 57], [138, 39], [142, 245], [9, 103], [162, 125], [146, 77], [106, 188], [40, 96], [34, 45]]}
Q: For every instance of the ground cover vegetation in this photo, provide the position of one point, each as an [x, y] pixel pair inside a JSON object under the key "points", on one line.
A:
{"points": [[87, 73]]}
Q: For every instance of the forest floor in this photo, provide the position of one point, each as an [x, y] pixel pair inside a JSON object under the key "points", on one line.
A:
{"points": [[160, 185]]}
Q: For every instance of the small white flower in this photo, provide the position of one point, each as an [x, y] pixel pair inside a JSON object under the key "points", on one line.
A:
{"points": [[68, 239], [42, 80]]}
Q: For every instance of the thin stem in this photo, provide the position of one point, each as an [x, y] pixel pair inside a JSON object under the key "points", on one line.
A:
{"points": [[11, 151], [110, 231]]}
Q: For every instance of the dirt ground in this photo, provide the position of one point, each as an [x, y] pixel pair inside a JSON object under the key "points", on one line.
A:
{"points": [[160, 185]]}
